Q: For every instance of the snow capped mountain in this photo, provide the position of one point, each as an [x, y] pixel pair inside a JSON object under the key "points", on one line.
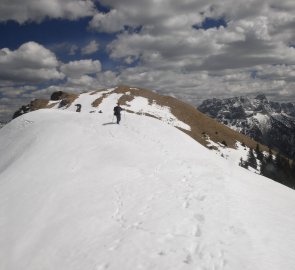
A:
{"points": [[267, 122], [80, 192]]}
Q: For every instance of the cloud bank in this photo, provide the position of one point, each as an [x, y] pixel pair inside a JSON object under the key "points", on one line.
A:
{"points": [[191, 49], [30, 63], [182, 50], [31, 10]]}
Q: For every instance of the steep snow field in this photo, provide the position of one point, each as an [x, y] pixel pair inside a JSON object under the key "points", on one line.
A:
{"points": [[79, 192]]}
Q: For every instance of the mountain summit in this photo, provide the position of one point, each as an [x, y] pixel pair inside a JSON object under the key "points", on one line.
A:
{"points": [[261, 97], [78, 191]]}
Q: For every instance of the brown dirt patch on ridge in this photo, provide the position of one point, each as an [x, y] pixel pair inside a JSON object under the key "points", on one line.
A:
{"points": [[43, 103], [201, 125], [97, 102], [38, 104], [97, 91], [70, 98]]}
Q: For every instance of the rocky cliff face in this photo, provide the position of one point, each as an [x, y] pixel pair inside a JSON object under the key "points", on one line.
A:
{"points": [[270, 123]]}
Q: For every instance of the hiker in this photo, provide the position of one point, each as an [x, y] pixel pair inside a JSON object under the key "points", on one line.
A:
{"points": [[117, 112]]}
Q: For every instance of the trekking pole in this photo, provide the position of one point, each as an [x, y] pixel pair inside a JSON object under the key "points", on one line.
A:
{"points": [[113, 119]]}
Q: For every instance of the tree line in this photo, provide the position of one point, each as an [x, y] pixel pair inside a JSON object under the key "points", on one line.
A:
{"points": [[274, 166]]}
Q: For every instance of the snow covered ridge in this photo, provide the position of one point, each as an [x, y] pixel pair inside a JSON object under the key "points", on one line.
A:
{"points": [[138, 104], [141, 105], [78, 192], [167, 109], [143, 101]]}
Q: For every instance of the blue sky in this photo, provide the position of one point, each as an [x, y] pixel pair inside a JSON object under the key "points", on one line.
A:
{"points": [[57, 35], [192, 50]]}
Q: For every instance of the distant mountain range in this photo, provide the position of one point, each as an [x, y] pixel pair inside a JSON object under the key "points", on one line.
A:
{"points": [[270, 123]]}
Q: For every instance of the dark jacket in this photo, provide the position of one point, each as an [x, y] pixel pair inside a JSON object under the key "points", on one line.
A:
{"points": [[117, 110]]}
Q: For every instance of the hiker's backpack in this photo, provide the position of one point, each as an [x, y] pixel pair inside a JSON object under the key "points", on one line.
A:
{"points": [[117, 110]]}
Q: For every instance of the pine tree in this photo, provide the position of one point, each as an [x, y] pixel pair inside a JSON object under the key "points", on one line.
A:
{"points": [[257, 148], [280, 174], [252, 159], [243, 164], [278, 161], [258, 153], [268, 168], [263, 167], [270, 157], [286, 171], [279, 169]]}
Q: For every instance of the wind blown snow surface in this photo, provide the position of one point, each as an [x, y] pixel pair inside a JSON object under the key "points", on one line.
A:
{"points": [[141, 105], [79, 192]]}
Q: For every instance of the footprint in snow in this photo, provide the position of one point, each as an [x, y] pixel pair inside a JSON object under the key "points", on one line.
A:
{"points": [[197, 231], [188, 259], [102, 266], [162, 253], [115, 244], [199, 217], [201, 198], [185, 204]]}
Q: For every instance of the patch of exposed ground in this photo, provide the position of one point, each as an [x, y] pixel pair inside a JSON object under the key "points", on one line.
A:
{"points": [[66, 99], [201, 125], [69, 99], [97, 102], [38, 104], [97, 91]]}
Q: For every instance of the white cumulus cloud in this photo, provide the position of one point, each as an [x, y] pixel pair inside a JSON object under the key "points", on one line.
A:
{"points": [[90, 48], [31, 63], [163, 45], [32, 10], [169, 52], [75, 69]]}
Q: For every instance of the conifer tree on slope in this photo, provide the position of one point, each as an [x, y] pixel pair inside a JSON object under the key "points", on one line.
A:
{"points": [[252, 159]]}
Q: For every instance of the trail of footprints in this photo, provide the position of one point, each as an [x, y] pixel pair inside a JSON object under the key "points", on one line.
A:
{"points": [[198, 255], [118, 215]]}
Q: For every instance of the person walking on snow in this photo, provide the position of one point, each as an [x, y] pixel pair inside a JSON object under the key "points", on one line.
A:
{"points": [[117, 112]]}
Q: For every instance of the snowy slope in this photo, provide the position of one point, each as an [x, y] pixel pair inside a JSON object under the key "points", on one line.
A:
{"points": [[169, 110], [79, 192]]}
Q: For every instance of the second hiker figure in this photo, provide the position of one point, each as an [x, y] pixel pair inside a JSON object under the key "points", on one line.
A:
{"points": [[117, 112]]}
